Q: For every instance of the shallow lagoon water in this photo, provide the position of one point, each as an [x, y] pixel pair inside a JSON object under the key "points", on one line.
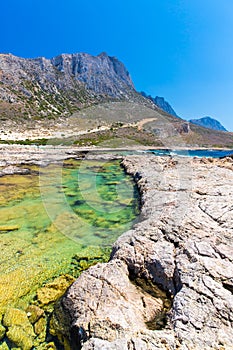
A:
{"points": [[57, 212]]}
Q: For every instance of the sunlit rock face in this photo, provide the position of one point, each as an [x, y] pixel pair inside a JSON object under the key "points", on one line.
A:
{"points": [[102, 74]]}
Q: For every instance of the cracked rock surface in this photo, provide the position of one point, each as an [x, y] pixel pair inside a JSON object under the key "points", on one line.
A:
{"points": [[184, 244]]}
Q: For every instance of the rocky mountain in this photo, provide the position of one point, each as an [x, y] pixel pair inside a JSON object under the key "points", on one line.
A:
{"points": [[74, 94], [162, 104], [61, 85], [208, 122], [102, 74]]}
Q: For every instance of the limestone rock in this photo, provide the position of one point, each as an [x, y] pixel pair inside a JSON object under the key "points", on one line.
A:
{"points": [[51, 87], [143, 341], [161, 103], [116, 305], [102, 74], [184, 128], [208, 122], [9, 170]]}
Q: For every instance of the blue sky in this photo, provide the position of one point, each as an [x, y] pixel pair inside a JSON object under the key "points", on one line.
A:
{"points": [[180, 49]]}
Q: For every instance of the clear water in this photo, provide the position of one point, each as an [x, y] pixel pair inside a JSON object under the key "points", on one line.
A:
{"points": [[57, 212], [211, 153]]}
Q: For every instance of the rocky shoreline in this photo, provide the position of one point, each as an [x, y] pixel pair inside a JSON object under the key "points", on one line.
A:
{"points": [[169, 281], [183, 244]]}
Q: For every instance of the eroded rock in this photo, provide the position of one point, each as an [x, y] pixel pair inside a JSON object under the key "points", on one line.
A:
{"points": [[115, 307]]}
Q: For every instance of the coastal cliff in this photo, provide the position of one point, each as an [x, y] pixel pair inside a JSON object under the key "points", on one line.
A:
{"points": [[169, 282]]}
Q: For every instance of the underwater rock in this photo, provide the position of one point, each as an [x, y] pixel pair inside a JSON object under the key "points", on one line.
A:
{"points": [[40, 326], [2, 331], [48, 346], [19, 329], [34, 313], [20, 337], [37, 317], [7, 228], [17, 317], [4, 346], [54, 290]]}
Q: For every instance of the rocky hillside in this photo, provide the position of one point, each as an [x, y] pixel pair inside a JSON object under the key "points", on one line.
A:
{"points": [[59, 86], [208, 122]]}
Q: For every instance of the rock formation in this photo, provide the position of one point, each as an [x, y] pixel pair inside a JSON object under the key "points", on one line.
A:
{"points": [[184, 128], [183, 244]]}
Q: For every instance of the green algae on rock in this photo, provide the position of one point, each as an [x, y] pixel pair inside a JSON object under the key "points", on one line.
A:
{"points": [[20, 331], [2, 331], [54, 290]]}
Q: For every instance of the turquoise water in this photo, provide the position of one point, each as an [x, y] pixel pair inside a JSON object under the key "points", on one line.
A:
{"points": [[211, 153], [56, 212]]}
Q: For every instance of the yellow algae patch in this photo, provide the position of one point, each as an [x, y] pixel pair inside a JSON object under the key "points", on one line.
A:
{"points": [[20, 331], [20, 337], [54, 290]]}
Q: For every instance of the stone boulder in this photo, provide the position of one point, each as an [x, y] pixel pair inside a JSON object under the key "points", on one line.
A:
{"points": [[116, 306]]}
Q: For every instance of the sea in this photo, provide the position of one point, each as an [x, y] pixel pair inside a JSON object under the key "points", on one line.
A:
{"points": [[207, 153]]}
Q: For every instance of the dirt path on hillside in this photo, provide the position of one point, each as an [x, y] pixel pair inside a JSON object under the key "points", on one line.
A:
{"points": [[58, 131], [143, 122]]}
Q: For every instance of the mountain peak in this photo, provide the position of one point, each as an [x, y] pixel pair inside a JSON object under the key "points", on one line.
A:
{"points": [[162, 104], [102, 74], [103, 54], [62, 84], [208, 122]]}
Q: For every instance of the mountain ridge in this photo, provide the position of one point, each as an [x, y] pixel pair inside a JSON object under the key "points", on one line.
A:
{"points": [[208, 122], [161, 103], [74, 94]]}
